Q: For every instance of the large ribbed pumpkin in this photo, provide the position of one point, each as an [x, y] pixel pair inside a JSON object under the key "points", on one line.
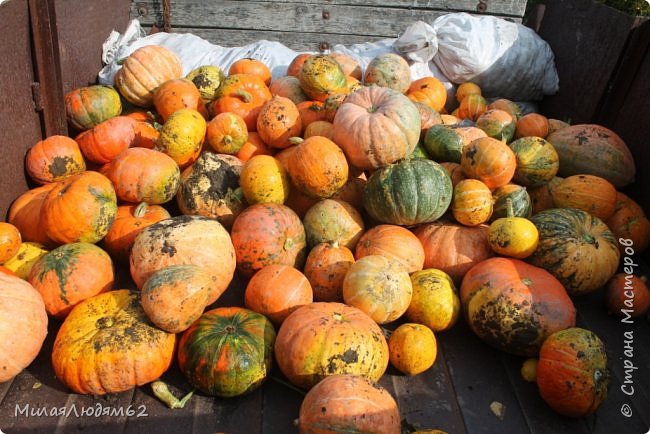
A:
{"points": [[23, 325], [181, 240], [108, 345], [348, 403], [514, 306], [572, 373], [595, 150], [143, 175], [376, 126], [144, 70], [305, 353], [70, 274], [576, 247], [268, 233], [408, 192], [82, 207], [227, 352], [86, 107]]}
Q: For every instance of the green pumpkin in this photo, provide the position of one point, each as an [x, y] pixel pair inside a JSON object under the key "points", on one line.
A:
{"points": [[227, 352], [575, 247], [407, 193], [419, 152], [322, 76], [445, 143], [87, 107], [537, 161], [521, 203]]}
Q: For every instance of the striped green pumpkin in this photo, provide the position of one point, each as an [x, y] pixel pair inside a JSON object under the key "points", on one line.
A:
{"points": [[576, 247], [521, 203], [408, 192], [227, 352], [537, 161]]}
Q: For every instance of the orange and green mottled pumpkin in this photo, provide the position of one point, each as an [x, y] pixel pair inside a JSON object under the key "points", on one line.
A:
{"points": [[519, 198], [572, 373], [82, 208], [388, 70], [489, 160], [445, 143], [514, 306], [143, 175], [86, 107], [333, 221], [304, 350], [348, 403], [576, 247], [593, 150], [182, 136], [408, 192], [321, 76], [23, 325], [498, 124], [376, 126], [537, 161], [108, 345], [227, 352], [70, 274]]}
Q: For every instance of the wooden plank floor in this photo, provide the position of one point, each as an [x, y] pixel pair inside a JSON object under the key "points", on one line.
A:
{"points": [[455, 395]]}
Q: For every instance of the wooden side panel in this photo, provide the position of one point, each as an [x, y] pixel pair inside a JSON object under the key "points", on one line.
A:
{"points": [[19, 120], [308, 25]]}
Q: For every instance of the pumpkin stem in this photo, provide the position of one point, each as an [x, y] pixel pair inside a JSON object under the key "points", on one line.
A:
{"points": [[162, 392], [509, 209], [227, 139], [296, 140], [140, 210], [244, 95]]}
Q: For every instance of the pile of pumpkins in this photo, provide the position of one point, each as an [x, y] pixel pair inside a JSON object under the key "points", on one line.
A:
{"points": [[345, 200]]}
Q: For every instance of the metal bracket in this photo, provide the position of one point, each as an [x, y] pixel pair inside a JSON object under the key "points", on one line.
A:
{"points": [[482, 5]]}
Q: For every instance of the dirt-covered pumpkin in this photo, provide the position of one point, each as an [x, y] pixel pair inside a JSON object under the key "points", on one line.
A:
{"points": [[82, 208], [144, 70], [23, 325], [590, 193], [348, 403], [279, 120], [379, 286], [268, 233], [388, 70], [207, 79], [393, 242], [86, 107], [594, 150], [514, 306], [325, 268], [143, 175], [318, 167], [376, 126], [70, 274], [54, 159], [210, 187], [408, 192], [277, 290], [108, 345], [576, 247], [25, 214], [435, 301], [182, 136], [176, 296], [129, 221], [107, 140], [304, 350], [333, 221], [227, 352], [489, 160], [572, 373], [179, 240], [321, 76], [244, 95]]}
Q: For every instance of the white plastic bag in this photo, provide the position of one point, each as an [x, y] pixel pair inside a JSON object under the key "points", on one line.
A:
{"points": [[505, 59]]}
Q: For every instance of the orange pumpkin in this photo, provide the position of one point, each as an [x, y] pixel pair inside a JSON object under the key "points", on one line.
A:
{"points": [[288, 87], [532, 125], [589, 193], [226, 133], [348, 403], [541, 198], [82, 208], [25, 214], [296, 64], [333, 221], [147, 130], [488, 160], [311, 111], [507, 106], [412, 348], [107, 140], [130, 220], [428, 90], [144, 70], [393, 242], [251, 66], [244, 95], [627, 295], [472, 107], [629, 223], [472, 202], [265, 234], [53, 159], [318, 167], [319, 128], [254, 146], [278, 121], [10, 240], [325, 268], [467, 88], [277, 290], [70, 274], [23, 325], [304, 350], [455, 172], [349, 66], [176, 94]]}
